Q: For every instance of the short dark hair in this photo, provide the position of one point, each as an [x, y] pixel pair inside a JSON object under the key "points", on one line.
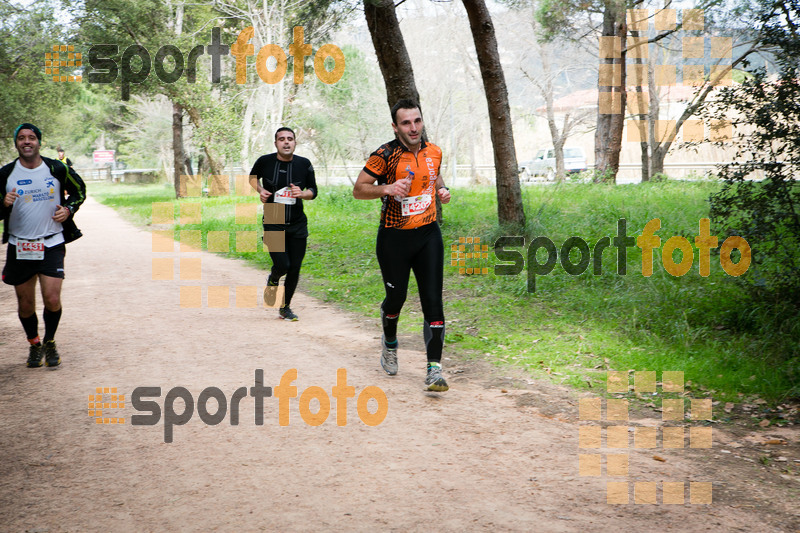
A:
{"points": [[284, 128], [404, 103], [59, 149]]}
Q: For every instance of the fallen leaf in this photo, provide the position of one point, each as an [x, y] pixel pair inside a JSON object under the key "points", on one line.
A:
{"points": [[729, 407], [658, 458], [775, 441], [503, 391], [764, 423]]}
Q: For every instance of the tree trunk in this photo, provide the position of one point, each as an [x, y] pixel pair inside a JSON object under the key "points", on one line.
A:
{"points": [[178, 154], [557, 138], [398, 76], [509, 196], [177, 147], [657, 158], [610, 121], [642, 114], [390, 48], [215, 167]]}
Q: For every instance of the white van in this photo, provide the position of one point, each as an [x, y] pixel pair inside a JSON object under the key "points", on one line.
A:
{"points": [[544, 164]]}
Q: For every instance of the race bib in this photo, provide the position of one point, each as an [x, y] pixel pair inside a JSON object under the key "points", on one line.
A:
{"points": [[284, 196], [414, 205], [30, 249]]}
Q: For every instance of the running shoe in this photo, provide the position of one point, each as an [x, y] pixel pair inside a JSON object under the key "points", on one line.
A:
{"points": [[51, 357], [388, 358], [435, 381], [286, 313], [35, 356]]}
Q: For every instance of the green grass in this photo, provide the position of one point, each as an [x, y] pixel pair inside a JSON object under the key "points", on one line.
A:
{"points": [[572, 328]]}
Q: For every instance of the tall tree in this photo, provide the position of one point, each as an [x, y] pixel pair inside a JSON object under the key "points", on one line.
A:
{"points": [[27, 93], [390, 47], [609, 19], [148, 24], [612, 98], [509, 197], [656, 141]]}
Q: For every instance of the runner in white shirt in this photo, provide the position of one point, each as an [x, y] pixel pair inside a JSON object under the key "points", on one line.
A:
{"points": [[37, 215]]}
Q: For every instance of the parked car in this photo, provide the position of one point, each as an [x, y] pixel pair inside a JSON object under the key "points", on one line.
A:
{"points": [[544, 164]]}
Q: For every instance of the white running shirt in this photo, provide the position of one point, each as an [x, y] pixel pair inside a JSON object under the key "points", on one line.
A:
{"points": [[32, 215]]}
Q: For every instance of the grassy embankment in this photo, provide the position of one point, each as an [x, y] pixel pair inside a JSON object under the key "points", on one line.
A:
{"points": [[572, 328]]}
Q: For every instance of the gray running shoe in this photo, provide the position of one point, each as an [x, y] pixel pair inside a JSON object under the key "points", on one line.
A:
{"points": [[35, 354], [435, 381], [388, 358], [287, 314]]}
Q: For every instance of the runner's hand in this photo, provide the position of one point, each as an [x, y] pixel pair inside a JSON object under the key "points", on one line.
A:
{"points": [[399, 188], [297, 192], [62, 213], [444, 195], [10, 197], [264, 194]]}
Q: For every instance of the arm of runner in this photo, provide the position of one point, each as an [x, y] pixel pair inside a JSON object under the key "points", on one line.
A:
{"points": [[262, 192], [311, 183], [442, 190], [365, 188], [76, 189], [297, 192], [10, 197]]}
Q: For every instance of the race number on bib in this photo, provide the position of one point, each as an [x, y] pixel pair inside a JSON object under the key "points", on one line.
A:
{"points": [[284, 196], [414, 205], [30, 249]]}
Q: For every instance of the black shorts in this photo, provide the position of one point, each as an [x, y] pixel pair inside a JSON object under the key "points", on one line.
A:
{"points": [[17, 272]]}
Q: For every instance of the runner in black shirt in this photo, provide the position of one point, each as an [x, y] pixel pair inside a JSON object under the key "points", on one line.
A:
{"points": [[288, 179]]}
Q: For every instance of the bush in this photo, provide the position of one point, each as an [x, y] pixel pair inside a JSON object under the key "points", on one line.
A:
{"points": [[766, 213]]}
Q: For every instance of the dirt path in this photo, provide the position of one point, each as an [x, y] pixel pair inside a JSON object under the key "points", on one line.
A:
{"points": [[475, 458]]}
